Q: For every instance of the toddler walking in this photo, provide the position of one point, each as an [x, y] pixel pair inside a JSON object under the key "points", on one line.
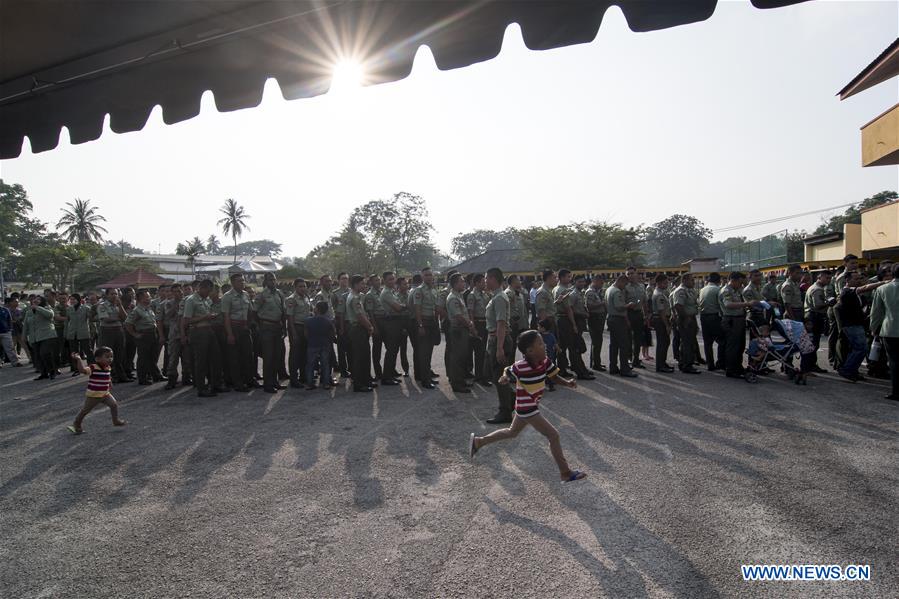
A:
{"points": [[99, 385], [530, 376]]}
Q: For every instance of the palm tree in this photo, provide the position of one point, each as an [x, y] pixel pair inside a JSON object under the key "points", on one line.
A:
{"points": [[81, 222], [212, 245], [233, 223], [191, 248]]}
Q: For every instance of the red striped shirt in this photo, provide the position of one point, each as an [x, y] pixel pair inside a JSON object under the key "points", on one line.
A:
{"points": [[100, 381], [530, 382]]}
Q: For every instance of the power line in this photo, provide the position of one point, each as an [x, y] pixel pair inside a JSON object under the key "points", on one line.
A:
{"points": [[781, 218]]}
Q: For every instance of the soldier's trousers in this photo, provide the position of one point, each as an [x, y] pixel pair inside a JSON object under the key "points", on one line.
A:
{"points": [[478, 347], [392, 333], [568, 341], [114, 339], [221, 339], [130, 354], [448, 342], [412, 335], [663, 341], [404, 347], [596, 323], [504, 393], [561, 357], [296, 357], [819, 328], [377, 345], [269, 339], [620, 344], [62, 346], [836, 353], [735, 333], [424, 349], [182, 353], [687, 328], [359, 350], [343, 357], [241, 360], [635, 317], [457, 348], [207, 360], [83, 348], [157, 374], [146, 351], [712, 333]]}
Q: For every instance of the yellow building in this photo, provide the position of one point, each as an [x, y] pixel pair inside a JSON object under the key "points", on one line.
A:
{"points": [[880, 232], [833, 245]]}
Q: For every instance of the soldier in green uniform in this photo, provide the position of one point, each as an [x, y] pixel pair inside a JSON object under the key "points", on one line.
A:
{"points": [[171, 331], [816, 306], [327, 294], [236, 307], [595, 301], [371, 301], [391, 325], [344, 347], [752, 292], [545, 307], [298, 307], [710, 319], [500, 345], [60, 321], [111, 314], [565, 297], [444, 320], [477, 312], [218, 327], [661, 322], [197, 323], [402, 294], [792, 294], [424, 306], [412, 326], [45, 339], [461, 327], [162, 294], [78, 331], [360, 329], [733, 311], [269, 305], [836, 344], [518, 304], [635, 296], [620, 343], [769, 289], [141, 325], [686, 307], [127, 359]]}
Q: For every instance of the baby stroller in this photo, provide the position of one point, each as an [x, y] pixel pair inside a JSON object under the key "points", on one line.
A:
{"points": [[784, 341]]}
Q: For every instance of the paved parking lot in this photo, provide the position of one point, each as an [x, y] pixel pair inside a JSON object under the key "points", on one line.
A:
{"points": [[304, 494]]}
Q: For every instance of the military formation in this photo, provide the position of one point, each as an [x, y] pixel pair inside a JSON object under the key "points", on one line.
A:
{"points": [[214, 338]]}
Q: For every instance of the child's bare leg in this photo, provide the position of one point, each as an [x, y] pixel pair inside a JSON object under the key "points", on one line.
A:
{"points": [[516, 427], [545, 428], [89, 404], [110, 401]]}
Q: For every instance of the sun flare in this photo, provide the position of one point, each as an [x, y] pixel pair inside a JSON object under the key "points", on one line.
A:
{"points": [[347, 75]]}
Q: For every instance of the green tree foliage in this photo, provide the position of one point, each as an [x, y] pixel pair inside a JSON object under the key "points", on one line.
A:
{"points": [[592, 244], [121, 248], [718, 248], [80, 222], [259, 247], [234, 222], [678, 238], [474, 243], [213, 246], [346, 251], [191, 248], [853, 214], [398, 229]]}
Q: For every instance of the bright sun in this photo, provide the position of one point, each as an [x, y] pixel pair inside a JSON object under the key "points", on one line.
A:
{"points": [[347, 76]]}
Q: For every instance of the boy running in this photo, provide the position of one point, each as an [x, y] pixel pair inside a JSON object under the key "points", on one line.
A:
{"points": [[530, 376], [99, 385]]}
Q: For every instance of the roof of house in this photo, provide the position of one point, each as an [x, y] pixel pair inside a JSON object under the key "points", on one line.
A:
{"points": [[882, 68], [139, 278]]}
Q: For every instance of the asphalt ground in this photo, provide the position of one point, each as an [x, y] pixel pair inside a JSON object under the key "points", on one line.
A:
{"points": [[311, 494]]}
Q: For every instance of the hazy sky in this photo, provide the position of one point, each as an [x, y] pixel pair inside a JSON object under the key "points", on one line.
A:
{"points": [[732, 120]]}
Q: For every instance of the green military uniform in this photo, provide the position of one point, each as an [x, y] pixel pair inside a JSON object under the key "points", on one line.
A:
{"points": [[240, 357], [543, 303], [686, 325], [458, 336], [885, 324], [477, 308], [375, 311], [354, 309], [45, 339], [391, 327], [143, 320], [269, 304], [344, 347], [112, 336], [712, 328], [428, 335], [62, 342], [660, 309], [816, 311], [203, 344], [297, 308], [518, 316], [595, 302], [636, 293], [406, 321], [734, 323], [566, 297], [770, 293], [173, 310], [792, 300], [496, 311], [78, 330], [620, 343]]}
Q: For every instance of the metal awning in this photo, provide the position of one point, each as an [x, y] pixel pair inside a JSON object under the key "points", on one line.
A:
{"points": [[69, 64]]}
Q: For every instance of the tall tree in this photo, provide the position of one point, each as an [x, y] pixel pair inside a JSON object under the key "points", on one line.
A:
{"points": [[398, 228], [212, 245], [80, 222], [473, 243], [853, 214], [678, 238], [121, 248], [191, 248], [259, 247], [234, 221], [593, 244]]}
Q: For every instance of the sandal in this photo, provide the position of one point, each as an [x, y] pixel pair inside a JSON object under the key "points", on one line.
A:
{"points": [[472, 448], [74, 430], [575, 475]]}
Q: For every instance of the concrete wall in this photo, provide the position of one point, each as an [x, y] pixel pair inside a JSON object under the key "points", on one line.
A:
{"points": [[880, 139], [880, 227], [832, 250]]}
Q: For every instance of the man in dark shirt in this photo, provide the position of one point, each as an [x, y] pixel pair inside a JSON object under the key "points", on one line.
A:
{"points": [[852, 320], [320, 334]]}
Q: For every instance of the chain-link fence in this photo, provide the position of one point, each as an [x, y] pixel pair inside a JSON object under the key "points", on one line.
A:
{"points": [[770, 250]]}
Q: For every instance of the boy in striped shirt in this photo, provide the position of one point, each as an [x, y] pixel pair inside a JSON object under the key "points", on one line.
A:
{"points": [[99, 385], [530, 376]]}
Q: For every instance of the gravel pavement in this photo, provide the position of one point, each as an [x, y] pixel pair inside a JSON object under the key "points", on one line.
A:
{"points": [[308, 494]]}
